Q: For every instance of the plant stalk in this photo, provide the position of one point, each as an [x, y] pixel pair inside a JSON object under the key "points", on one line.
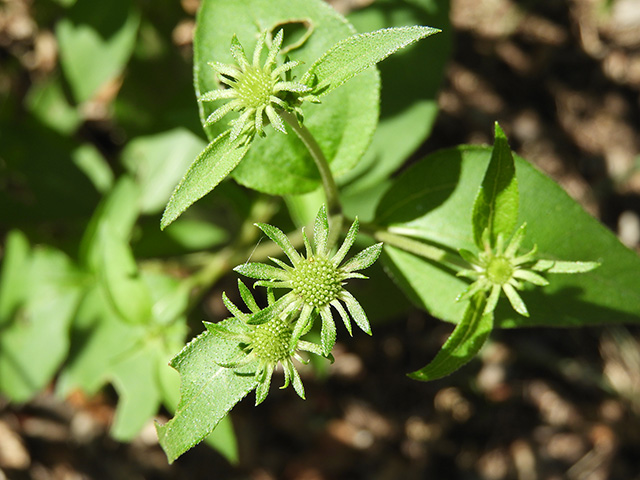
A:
{"points": [[418, 248], [334, 207]]}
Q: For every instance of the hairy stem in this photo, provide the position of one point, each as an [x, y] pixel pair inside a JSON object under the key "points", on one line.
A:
{"points": [[418, 248], [334, 207]]}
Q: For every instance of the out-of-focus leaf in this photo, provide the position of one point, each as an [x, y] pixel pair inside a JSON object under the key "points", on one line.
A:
{"points": [[342, 125], [15, 279], [158, 162], [95, 41], [184, 235], [135, 374], [47, 102], [432, 201], [98, 337], [138, 394], [410, 82], [133, 357], [34, 340], [88, 159], [119, 276], [120, 210]]}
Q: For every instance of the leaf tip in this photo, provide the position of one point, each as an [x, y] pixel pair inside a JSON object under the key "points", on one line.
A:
{"points": [[498, 132], [417, 375]]}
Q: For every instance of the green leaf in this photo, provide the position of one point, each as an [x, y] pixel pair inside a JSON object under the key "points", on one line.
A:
{"points": [[496, 206], [15, 279], [463, 344], [411, 80], [95, 41], [120, 210], [138, 394], [135, 374], [207, 392], [99, 337], [118, 274], [47, 102], [91, 162], [353, 55], [430, 202], [132, 357], [34, 339], [342, 125], [158, 162], [184, 235], [213, 164], [223, 440]]}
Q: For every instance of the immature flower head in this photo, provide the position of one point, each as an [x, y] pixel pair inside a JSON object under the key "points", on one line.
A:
{"points": [[316, 281], [502, 269], [268, 344], [254, 90]]}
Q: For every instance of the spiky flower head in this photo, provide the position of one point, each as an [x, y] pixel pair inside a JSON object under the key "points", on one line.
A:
{"points": [[500, 269], [268, 343], [254, 90], [316, 281]]}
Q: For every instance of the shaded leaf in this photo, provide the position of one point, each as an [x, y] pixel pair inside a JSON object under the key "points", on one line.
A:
{"points": [[119, 209], [431, 201], [496, 206], [14, 276]]}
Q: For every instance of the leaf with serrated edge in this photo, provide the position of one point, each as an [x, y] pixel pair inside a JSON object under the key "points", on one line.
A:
{"points": [[463, 344], [213, 164], [207, 391], [496, 206], [355, 54]]}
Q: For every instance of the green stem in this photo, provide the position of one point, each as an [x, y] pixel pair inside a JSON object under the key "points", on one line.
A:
{"points": [[334, 207], [328, 183], [418, 248]]}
